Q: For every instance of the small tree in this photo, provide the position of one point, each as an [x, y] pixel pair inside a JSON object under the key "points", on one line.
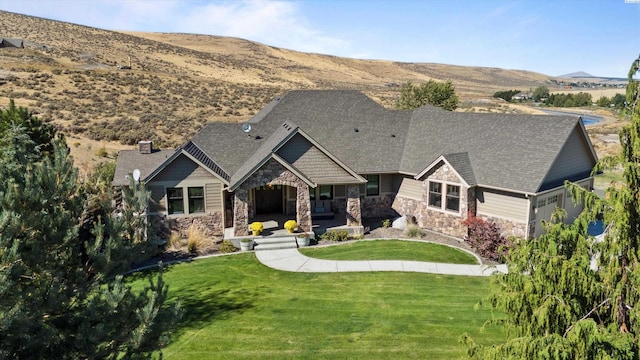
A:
{"points": [[441, 94], [486, 238], [541, 92], [62, 289]]}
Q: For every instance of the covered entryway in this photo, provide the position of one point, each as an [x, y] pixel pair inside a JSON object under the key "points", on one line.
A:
{"points": [[269, 200]]}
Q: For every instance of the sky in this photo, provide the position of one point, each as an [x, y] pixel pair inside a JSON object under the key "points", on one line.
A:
{"points": [[600, 37]]}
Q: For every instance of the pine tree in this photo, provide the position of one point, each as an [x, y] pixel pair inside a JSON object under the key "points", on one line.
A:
{"points": [[62, 294], [556, 303], [441, 94]]}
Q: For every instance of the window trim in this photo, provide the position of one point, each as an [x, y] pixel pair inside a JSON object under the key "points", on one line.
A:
{"points": [[431, 203], [366, 191], [444, 197], [190, 198], [175, 199], [448, 197]]}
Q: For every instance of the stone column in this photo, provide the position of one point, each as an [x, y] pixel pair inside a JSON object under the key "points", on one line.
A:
{"points": [[241, 213], [353, 212], [303, 208]]}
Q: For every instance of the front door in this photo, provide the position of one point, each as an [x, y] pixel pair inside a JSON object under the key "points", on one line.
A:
{"points": [[269, 200]]}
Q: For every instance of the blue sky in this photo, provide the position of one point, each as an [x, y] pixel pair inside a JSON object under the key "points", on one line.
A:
{"points": [[601, 37]]}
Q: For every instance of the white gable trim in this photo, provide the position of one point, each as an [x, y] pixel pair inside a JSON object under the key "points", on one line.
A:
{"points": [[174, 156], [435, 163]]}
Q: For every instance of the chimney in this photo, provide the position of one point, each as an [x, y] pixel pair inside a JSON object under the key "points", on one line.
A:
{"points": [[145, 147]]}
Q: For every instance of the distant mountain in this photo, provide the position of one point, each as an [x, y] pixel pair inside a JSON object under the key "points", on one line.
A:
{"points": [[579, 74]]}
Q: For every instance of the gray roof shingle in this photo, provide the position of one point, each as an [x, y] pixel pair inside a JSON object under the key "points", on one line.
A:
{"points": [[496, 150]]}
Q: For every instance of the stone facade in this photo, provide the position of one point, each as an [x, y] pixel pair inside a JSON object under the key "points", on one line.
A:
{"points": [[353, 210], [379, 206], [210, 224], [270, 174], [440, 220], [509, 227]]}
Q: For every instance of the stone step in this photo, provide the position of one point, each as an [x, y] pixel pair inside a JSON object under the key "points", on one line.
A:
{"points": [[275, 240], [275, 246]]}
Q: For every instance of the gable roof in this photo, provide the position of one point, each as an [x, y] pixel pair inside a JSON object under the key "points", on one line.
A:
{"points": [[129, 160], [459, 162], [270, 146], [503, 151]]}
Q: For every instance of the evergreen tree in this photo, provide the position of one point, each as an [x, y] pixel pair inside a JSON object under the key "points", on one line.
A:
{"points": [[62, 294], [430, 93], [41, 133], [557, 303]]}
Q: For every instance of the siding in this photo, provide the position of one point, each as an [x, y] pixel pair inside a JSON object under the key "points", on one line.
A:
{"points": [[386, 183], [411, 188], [213, 197], [501, 204], [312, 162], [575, 158], [182, 168], [339, 191], [157, 202]]}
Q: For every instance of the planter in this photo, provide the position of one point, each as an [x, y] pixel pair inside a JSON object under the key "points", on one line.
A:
{"points": [[303, 240], [246, 245]]}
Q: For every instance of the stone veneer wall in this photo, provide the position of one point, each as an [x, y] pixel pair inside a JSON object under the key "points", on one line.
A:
{"points": [[508, 227], [378, 206], [211, 224], [271, 173], [354, 209], [446, 222]]}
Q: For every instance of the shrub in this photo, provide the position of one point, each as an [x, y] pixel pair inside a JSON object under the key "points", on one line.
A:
{"points": [[175, 242], [101, 152], [290, 225], [227, 247], [256, 226], [386, 223], [336, 235], [486, 239], [196, 239], [414, 231]]}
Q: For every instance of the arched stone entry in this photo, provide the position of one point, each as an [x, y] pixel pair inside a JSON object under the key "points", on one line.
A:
{"points": [[271, 174]]}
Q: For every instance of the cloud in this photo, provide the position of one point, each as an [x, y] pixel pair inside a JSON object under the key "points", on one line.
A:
{"points": [[277, 23]]}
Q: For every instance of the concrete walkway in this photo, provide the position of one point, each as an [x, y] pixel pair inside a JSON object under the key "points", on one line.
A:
{"points": [[292, 260]]}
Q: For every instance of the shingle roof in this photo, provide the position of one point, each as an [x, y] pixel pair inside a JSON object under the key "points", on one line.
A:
{"points": [[496, 150], [506, 151], [128, 160]]}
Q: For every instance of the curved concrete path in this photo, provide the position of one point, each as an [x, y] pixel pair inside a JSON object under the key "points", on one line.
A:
{"points": [[292, 260]]}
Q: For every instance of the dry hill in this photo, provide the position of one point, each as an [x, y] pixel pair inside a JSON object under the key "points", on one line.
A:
{"points": [[78, 77]]}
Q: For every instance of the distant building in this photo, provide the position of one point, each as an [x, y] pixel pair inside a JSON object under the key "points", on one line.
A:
{"points": [[11, 43]]}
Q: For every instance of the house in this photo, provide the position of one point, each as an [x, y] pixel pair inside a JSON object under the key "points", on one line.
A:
{"points": [[315, 151], [11, 43]]}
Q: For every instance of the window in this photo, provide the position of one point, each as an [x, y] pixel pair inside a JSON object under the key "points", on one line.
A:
{"points": [[326, 192], [453, 197], [312, 193], [373, 185], [175, 201], [435, 194], [196, 200]]}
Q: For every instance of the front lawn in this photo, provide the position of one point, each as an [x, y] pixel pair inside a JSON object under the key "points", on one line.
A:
{"points": [[236, 308], [392, 250]]}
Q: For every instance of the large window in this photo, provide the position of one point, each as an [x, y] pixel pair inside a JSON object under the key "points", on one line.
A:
{"points": [[196, 200], [435, 194], [175, 201], [453, 198], [326, 192], [312, 193], [373, 185]]}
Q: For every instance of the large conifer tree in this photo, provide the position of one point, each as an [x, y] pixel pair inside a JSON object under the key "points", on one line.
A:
{"points": [[568, 296], [62, 294]]}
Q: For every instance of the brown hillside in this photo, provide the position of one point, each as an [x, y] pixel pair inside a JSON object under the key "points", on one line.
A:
{"points": [[72, 75]]}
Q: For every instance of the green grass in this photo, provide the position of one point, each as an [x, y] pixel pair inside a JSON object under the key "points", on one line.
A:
{"points": [[236, 308], [392, 250]]}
